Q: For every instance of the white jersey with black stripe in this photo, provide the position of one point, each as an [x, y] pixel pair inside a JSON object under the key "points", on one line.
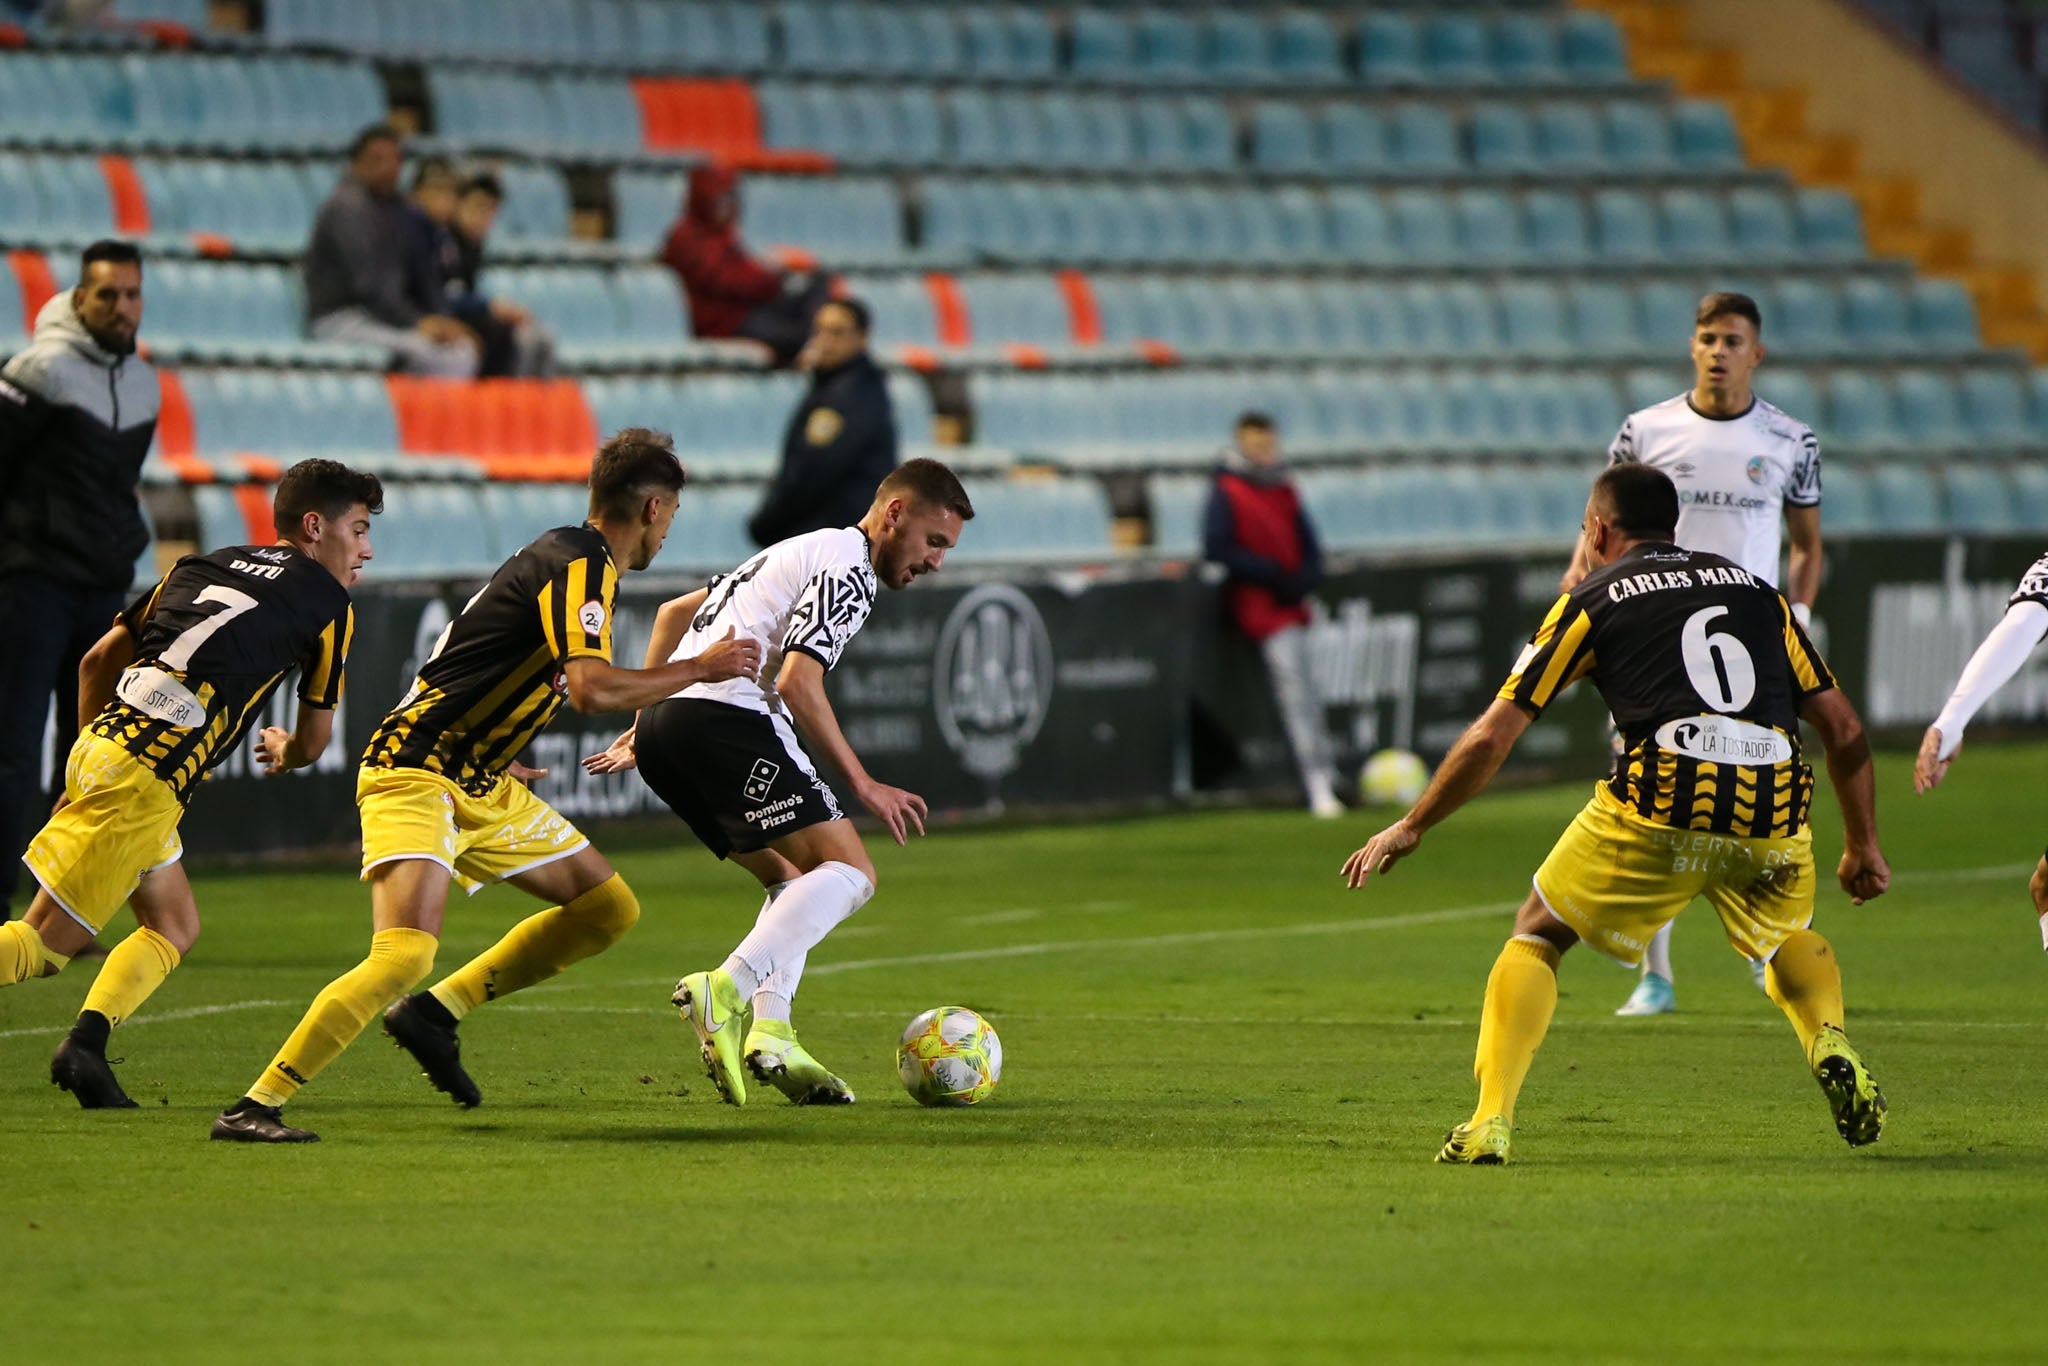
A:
{"points": [[810, 593], [1735, 476]]}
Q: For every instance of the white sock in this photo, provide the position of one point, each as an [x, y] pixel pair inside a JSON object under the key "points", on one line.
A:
{"points": [[2044, 932], [777, 992], [795, 920], [1658, 957], [742, 972]]}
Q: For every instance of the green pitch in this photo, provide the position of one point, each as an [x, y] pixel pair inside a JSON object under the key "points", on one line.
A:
{"points": [[1225, 1081]]}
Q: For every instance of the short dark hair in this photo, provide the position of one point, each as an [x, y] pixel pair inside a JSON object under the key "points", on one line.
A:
{"points": [[1255, 421], [1728, 304], [1642, 498], [327, 487], [483, 182], [430, 167], [927, 483], [634, 463], [855, 308], [112, 250], [375, 132]]}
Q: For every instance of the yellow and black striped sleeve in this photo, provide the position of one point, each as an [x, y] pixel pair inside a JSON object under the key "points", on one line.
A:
{"points": [[1558, 655], [136, 614], [320, 678], [1809, 670], [576, 608]]}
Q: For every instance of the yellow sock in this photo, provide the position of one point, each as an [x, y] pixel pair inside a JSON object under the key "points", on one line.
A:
{"points": [[398, 960], [136, 967], [1806, 982], [542, 945], [24, 955], [1521, 993]]}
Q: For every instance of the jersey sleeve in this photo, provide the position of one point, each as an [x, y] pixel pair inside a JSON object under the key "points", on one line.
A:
{"points": [[576, 608], [320, 675], [136, 614], [2033, 585], [828, 613], [1622, 450], [1558, 655], [1802, 490], [1809, 670]]}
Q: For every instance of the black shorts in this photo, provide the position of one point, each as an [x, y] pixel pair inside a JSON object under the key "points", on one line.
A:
{"points": [[737, 777]]}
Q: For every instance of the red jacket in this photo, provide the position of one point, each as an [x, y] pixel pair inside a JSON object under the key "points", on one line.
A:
{"points": [[1256, 528], [723, 281]]}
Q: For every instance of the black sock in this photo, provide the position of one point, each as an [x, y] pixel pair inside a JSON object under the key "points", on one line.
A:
{"points": [[92, 1030], [429, 1005]]}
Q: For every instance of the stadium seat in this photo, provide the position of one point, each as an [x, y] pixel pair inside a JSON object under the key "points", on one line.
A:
{"points": [[1944, 316], [1695, 226], [1359, 226], [1908, 499], [1168, 46], [1639, 136], [1454, 49], [1283, 137], [1305, 48], [1980, 500], [1791, 392], [1704, 136], [1830, 225], [2030, 493], [1875, 314], [1762, 226], [1848, 501], [1424, 139], [1104, 48], [1929, 412], [1556, 226], [1625, 227], [1354, 139], [1861, 413], [1994, 409], [1602, 319], [1591, 47], [1389, 49], [1503, 139], [1178, 503], [1569, 137], [1424, 230], [1525, 50], [1807, 319], [1489, 228]]}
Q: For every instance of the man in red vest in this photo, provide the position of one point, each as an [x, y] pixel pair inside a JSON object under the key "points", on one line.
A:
{"points": [[1257, 529]]}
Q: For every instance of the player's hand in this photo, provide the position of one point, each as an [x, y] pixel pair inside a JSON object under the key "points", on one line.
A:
{"points": [[272, 750], [731, 657], [899, 810], [1928, 768], [1381, 853], [525, 774], [618, 757], [1864, 874]]}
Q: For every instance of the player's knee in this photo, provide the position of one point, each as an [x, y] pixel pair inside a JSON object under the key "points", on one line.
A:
{"points": [[2038, 885], [405, 955], [609, 908], [860, 881]]}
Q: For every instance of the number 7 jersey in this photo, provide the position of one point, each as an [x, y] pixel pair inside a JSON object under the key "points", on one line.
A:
{"points": [[213, 639], [1704, 670]]}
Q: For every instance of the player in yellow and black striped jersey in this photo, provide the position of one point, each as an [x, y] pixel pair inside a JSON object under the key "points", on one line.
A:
{"points": [[1708, 676], [439, 799], [167, 693]]}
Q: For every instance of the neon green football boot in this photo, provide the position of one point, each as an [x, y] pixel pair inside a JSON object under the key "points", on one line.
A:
{"points": [[1480, 1144], [712, 1008], [777, 1059], [1851, 1091]]}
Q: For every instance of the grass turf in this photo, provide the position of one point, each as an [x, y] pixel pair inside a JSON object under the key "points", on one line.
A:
{"points": [[1226, 1079]]}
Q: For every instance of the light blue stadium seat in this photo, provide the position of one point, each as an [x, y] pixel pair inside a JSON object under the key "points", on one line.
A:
{"points": [[1792, 392], [1591, 46], [1647, 385], [1168, 47], [1305, 48], [1695, 225], [2030, 493], [1104, 48], [1666, 308], [1602, 319], [515, 514], [1038, 519], [1944, 316], [1178, 503], [1849, 500], [1762, 225], [1930, 413], [1625, 226], [1556, 226], [536, 204], [1830, 225], [1525, 50], [1283, 137], [1861, 412], [431, 529], [1875, 314], [1016, 308], [221, 523], [1639, 136], [1425, 139], [1704, 136], [1503, 139], [1234, 48], [1908, 498], [1424, 229], [1359, 229], [1807, 319], [1390, 49], [1489, 227], [1535, 318], [1354, 138], [1981, 500], [1455, 49], [1569, 136], [1994, 408], [645, 205], [903, 311]]}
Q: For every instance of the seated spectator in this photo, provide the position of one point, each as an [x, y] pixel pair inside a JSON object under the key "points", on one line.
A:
{"points": [[454, 217], [732, 294], [366, 281]]}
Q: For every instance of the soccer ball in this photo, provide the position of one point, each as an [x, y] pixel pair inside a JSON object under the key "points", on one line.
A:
{"points": [[949, 1056], [1393, 777]]}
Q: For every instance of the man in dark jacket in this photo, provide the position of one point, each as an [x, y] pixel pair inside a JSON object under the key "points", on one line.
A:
{"points": [[841, 440], [1257, 529], [77, 413], [733, 294], [366, 281]]}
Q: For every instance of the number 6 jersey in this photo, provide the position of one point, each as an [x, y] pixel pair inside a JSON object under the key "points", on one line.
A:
{"points": [[212, 640], [1704, 670]]}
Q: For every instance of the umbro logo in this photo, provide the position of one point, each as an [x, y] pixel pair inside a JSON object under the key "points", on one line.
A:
{"points": [[760, 780]]}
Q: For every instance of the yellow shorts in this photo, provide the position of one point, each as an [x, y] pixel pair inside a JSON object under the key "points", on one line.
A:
{"points": [[1616, 879], [411, 813], [120, 823]]}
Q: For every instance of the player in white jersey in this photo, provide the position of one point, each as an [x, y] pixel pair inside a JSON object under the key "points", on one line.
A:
{"points": [[2021, 628], [726, 758], [1743, 468]]}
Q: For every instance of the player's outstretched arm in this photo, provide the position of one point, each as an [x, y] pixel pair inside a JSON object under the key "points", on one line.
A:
{"points": [[671, 623], [1863, 872], [280, 751], [1995, 661], [1463, 775], [596, 685], [101, 669], [802, 685]]}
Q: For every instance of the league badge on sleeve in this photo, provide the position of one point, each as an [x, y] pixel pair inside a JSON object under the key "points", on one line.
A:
{"points": [[591, 615]]}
